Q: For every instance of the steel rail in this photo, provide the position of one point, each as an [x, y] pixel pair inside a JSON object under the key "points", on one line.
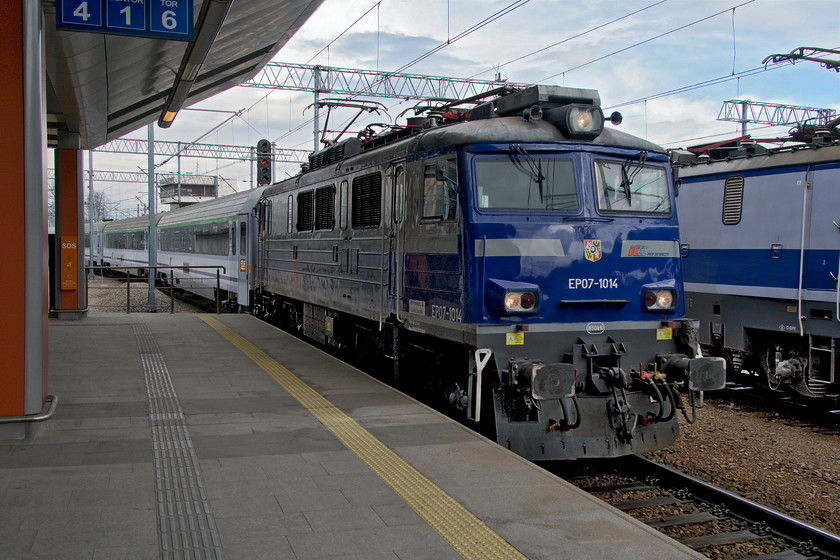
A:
{"points": [[828, 544]]}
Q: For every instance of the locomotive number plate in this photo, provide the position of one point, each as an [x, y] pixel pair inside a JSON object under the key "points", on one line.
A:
{"points": [[589, 283]]}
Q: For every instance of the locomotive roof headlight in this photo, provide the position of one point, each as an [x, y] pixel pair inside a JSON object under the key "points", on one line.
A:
{"points": [[578, 122], [660, 299]]}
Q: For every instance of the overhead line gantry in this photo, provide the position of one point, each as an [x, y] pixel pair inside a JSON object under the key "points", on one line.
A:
{"points": [[368, 83], [745, 111]]}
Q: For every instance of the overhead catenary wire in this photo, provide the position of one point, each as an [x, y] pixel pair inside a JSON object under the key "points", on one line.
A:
{"points": [[648, 40], [486, 21], [571, 38]]}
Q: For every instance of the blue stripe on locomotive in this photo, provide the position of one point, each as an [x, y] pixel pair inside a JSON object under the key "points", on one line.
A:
{"points": [[758, 267], [574, 289]]}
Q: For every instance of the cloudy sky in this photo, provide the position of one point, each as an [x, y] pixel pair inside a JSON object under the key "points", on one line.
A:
{"points": [[634, 52]]}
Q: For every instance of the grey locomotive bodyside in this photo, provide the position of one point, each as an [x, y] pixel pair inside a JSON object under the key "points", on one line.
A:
{"points": [[760, 243]]}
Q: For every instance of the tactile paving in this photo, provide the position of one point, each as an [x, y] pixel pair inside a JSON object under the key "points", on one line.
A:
{"points": [[185, 521]]}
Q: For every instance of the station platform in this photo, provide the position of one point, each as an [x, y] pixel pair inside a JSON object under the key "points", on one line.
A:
{"points": [[220, 436]]}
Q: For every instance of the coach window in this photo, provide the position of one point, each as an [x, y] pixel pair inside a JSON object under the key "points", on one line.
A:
{"points": [[366, 203], [242, 239], [232, 234], [290, 214], [440, 197]]}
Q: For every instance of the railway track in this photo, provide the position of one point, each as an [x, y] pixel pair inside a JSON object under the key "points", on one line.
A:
{"points": [[715, 522]]}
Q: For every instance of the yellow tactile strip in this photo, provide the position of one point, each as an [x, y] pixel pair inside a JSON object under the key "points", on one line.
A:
{"points": [[468, 535]]}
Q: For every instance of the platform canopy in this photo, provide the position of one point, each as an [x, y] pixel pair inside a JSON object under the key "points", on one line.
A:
{"points": [[102, 86]]}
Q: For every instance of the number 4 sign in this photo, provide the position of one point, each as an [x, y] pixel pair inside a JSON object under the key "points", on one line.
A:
{"points": [[164, 19]]}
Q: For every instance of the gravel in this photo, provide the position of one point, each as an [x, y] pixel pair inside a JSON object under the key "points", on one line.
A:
{"points": [[108, 295], [792, 468]]}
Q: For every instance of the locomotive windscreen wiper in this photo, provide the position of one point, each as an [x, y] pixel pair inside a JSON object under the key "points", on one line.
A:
{"points": [[534, 167], [627, 178]]}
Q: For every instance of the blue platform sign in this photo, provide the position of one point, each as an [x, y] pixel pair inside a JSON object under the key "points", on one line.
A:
{"points": [[161, 19]]}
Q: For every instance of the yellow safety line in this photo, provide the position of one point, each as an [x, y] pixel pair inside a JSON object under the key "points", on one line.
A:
{"points": [[467, 534]]}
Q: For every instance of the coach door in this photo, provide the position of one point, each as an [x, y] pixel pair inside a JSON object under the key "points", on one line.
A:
{"points": [[242, 268]]}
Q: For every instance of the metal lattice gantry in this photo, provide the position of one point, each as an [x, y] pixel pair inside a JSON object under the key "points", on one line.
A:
{"points": [[745, 111], [134, 177], [369, 83], [210, 151]]}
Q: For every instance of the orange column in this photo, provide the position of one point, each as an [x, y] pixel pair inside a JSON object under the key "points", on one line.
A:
{"points": [[12, 251], [69, 234]]}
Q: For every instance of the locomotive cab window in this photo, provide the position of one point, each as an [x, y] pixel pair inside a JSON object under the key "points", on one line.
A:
{"points": [[526, 182], [440, 196], [632, 187]]}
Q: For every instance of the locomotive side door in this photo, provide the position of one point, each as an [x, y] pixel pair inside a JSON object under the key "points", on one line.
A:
{"points": [[397, 236], [823, 231], [263, 231]]}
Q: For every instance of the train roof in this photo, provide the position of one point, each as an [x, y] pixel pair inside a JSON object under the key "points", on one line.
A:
{"points": [[490, 130], [220, 209], [744, 161], [129, 224], [97, 226], [532, 114], [517, 129]]}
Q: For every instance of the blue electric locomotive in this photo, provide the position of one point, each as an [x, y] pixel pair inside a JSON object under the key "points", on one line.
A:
{"points": [[517, 258], [761, 238]]}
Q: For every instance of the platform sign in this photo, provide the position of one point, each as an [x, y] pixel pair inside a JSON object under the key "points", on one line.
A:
{"points": [[161, 19]]}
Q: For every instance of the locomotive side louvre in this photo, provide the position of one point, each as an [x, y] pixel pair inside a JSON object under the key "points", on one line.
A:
{"points": [[508, 252], [764, 286]]}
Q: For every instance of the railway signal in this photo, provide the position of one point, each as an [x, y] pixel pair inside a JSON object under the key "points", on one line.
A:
{"points": [[265, 161]]}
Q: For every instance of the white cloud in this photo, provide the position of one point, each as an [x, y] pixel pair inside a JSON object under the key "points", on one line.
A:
{"points": [[399, 31]]}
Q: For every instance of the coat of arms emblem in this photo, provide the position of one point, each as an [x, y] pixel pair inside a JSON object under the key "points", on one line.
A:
{"points": [[592, 249]]}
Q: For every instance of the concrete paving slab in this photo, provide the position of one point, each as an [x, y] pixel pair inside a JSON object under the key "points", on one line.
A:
{"points": [[276, 483]]}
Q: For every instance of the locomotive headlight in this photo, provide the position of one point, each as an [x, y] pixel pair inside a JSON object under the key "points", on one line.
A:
{"points": [[503, 297], [659, 299], [578, 122], [518, 302], [582, 120]]}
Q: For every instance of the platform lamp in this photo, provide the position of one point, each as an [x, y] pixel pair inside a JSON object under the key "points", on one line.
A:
{"points": [[210, 20]]}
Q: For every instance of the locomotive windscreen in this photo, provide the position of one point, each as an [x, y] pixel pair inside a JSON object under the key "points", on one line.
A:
{"points": [[526, 183], [627, 187]]}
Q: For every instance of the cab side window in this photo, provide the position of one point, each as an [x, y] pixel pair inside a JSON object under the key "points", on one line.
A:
{"points": [[440, 196]]}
